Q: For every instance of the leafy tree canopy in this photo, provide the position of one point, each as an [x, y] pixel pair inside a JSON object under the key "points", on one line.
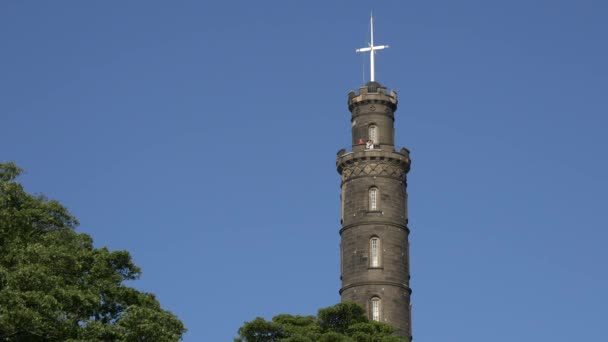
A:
{"points": [[55, 286], [344, 322]]}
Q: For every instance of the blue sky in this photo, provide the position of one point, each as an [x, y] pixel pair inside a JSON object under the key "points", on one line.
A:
{"points": [[201, 136]]}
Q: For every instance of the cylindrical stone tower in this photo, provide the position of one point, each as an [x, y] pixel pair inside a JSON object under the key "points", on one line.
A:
{"points": [[374, 244]]}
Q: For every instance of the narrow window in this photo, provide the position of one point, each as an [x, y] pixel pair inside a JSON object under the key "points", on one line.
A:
{"points": [[375, 303], [373, 199], [373, 134], [341, 261], [342, 205], [374, 252]]}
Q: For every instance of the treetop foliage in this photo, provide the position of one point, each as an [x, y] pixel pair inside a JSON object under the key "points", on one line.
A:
{"points": [[55, 286], [344, 322]]}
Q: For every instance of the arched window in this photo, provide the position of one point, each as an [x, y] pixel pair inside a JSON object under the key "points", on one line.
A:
{"points": [[341, 262], [375, 308], [374, 252], [373, 199], [373, 133], [342, 204]]}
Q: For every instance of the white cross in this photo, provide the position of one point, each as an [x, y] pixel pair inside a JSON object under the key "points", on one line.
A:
{"points": [[372, 49]]}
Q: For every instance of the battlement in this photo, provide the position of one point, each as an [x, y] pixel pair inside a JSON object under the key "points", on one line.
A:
{"points": [[348, 160], [372, 92]]}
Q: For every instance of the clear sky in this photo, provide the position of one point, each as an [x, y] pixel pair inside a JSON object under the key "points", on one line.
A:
{"points": [[201, 136]]}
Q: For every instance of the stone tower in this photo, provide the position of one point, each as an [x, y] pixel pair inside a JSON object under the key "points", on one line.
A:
{"points": [[374, 245]]}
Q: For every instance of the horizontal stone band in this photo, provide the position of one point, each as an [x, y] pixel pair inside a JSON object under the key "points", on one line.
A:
{"points": [[385, 283], [371, 223]]}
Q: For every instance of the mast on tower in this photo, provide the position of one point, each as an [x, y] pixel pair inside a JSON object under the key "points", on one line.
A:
{"points": [[372, 49]]}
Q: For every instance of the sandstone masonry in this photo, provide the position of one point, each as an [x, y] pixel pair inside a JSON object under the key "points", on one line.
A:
{"points": [[374, 246]]}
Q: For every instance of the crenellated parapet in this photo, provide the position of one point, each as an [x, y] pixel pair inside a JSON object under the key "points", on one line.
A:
{"points": [[375, 163], [372, 98]]}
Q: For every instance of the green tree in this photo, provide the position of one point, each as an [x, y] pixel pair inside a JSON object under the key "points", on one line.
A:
{"points": [[344, 322], [55, 286]]}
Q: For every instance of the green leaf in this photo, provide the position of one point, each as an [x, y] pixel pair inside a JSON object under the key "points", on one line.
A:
{"points": [[55, 286]]}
